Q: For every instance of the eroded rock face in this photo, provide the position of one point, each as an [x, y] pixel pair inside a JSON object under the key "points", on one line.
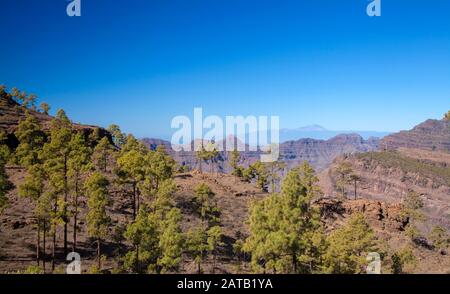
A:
{"points": [[429, 135], [320, 153], [389, 176], [380, 215]]}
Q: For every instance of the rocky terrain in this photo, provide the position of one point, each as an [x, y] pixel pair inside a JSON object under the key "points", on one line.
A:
{"points": [[319, 153], [429, 135], [412, 160], [11, 113], [17, 229], [387, 176]]}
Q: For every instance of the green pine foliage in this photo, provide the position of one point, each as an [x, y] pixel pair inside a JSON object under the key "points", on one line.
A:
{"points": [[31, 138], [5, 184], [286, 235], [207, 208], [349, 246], [101, 155], [197, 245], [171, 241], [98, 220]]}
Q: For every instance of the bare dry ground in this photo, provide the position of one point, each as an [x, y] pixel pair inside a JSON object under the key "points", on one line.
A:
{"points": [[18, 232], [388, 176], [233, 197]]}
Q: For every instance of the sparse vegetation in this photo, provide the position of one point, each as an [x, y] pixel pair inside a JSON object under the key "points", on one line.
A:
{"points": [[440, 238], [392, 159], [343, 171], [124, 206], [349, 246], [402, 259]]}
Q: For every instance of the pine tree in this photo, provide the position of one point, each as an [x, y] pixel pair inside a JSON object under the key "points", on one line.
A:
{"points": [[21, 98], [440, 238], [203, 199], [160, 167], [234, 163], [265, 241], [447, 116], [14, 93], [401, 259], [355, 178], [201, 155], [43, 211], [273, 170], [56, 154], [78, 165], [33, 188], [143, 235], [132, 143], [257, 171], [5, 184], [97, 218], [30, 101], [28, 154], [102, 153], [286, 233], [94, 137], [197, 245], [343, 172], [411, 212], [212, 155], [214, 237], [31, 140], [131, 171], [45, 107], [163, 197], [118, 137], [171, 242], [302, 224], [349, 246]]}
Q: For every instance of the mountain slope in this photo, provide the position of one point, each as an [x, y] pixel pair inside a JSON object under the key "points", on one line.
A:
{"points": [[11, 113], [233, 197], [429, 135], [319, 153], [388, 176]]}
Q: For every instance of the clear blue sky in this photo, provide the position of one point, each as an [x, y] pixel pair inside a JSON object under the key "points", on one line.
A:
{"points": [[139, 63]]}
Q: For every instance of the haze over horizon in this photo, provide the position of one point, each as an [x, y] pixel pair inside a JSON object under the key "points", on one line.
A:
{"points": [[309, 62]]}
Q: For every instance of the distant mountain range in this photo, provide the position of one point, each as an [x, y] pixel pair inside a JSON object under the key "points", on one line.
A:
{"points": [[320, 133], [319, 153]]}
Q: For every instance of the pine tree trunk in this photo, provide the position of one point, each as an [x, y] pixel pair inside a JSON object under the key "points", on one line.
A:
{"points": [[53, 250], [105, 163], [43, 249], [294, 262], [355, 190], [138, 200], [99, 254], [75, 218], [65, 206], [137, 259], [134, 201], [55, 210], [38, 242]]}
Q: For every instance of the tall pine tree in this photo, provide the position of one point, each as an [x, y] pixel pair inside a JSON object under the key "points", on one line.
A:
{"points": [[98, 220]]}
